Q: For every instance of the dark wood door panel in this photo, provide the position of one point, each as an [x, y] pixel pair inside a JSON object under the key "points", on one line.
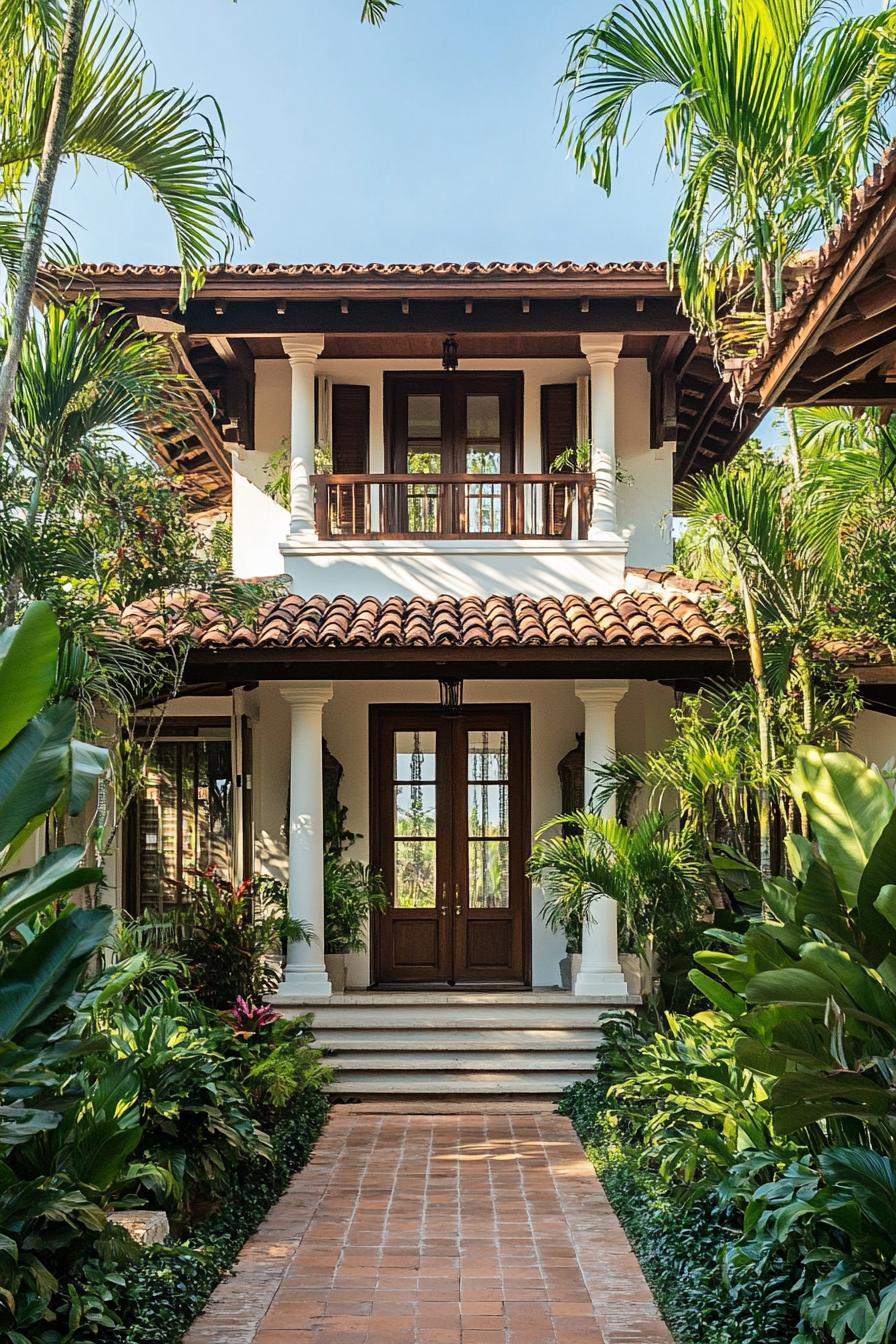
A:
{"points": [[450, 824]]}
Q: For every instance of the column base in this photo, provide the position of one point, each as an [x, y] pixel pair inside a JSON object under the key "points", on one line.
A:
{"points": [[610, 983], [300, 984]]}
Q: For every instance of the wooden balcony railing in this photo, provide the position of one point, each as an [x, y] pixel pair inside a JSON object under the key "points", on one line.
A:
{"points": [[452, 507]]}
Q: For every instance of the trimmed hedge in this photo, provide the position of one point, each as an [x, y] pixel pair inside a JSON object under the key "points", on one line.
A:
{"points": [[165, 1290], [681, 1247]]}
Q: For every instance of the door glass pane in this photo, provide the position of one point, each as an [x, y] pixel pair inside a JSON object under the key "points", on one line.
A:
{"points": [[423, 463], [487, 810], [424, 416], [415, 809], [414, 793], [415, 756], [483, 416], [415, 874], [488, 827], [486, 755], [488, 874]]}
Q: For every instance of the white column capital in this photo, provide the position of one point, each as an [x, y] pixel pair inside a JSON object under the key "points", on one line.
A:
{"points": [[302, 349], [602, 693], [601, 347], [307, 693]]}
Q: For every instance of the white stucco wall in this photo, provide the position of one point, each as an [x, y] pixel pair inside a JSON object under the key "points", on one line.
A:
{"points": [[644, 496], [540, 567], [874, 737]]}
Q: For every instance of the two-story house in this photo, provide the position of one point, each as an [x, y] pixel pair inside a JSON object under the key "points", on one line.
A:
{"points": [[481, 463]]}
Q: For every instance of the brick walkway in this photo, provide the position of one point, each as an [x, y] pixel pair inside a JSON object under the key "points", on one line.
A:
{"points": [[468, 1228]]}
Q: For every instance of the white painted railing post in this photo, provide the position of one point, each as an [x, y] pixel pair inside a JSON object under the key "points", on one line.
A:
{"points": [[305, 972], [601, 972]]}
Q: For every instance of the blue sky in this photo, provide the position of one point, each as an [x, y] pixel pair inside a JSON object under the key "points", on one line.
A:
{"points": [[429, 139]]}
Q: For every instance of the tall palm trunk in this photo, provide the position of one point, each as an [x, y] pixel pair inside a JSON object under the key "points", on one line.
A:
{"points": [[772, 297], [39, 207], [763, 723]]}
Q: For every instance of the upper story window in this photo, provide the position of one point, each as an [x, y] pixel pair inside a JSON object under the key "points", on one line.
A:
{"points": [[454, 424], [453, 462]]}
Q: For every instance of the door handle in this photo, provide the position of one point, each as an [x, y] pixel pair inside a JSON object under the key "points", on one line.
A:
{"points": [[457, 909]]}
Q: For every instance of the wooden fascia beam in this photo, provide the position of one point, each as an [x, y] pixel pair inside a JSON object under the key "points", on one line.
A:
{"points": [[861, 256]]}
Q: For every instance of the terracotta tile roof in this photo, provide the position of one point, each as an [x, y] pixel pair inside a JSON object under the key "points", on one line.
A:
{"points": [[625, 619], [667, 578], [388, 269], [865, 200]]}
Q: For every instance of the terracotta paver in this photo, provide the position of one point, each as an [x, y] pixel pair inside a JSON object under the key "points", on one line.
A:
{"points": [[460, 1228]]}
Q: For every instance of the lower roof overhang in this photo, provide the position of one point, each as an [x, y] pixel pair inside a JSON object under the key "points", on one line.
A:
{"points": [[208, 669]]}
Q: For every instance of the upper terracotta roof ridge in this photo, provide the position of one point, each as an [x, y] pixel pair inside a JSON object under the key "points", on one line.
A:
{"points": [[670, 578], [380, 268], [865, 197]]}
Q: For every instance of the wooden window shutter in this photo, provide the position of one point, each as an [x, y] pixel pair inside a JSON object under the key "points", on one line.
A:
{"points": [[559, 426], [350, 412], [351, 428]]}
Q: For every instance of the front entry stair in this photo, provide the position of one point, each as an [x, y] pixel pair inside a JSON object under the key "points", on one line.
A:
{"points": [[435, 1043]]}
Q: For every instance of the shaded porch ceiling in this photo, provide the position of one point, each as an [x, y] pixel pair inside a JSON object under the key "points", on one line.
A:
{"points": [[512, 310]]}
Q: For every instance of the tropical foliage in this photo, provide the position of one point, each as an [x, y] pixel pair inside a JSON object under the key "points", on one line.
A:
{"points": [[770, 112], [777, 1102], [651, 869], [118, 1086]]}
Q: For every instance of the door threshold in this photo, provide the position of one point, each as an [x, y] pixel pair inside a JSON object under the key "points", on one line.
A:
{"points": [[461, 987]]}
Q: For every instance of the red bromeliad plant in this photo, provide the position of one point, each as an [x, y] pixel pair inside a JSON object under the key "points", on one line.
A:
{"points": [[231, 944]]}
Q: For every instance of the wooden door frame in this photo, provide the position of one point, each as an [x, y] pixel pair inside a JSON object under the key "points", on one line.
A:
{"points": [[519, 714]]}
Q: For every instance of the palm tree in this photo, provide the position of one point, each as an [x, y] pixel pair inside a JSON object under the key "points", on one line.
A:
{"points": [[651, 869], [753, 528], [770, 111], [80, 85]]}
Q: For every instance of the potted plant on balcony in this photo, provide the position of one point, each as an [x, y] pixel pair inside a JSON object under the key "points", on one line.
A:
{"points": [[351, 891]]}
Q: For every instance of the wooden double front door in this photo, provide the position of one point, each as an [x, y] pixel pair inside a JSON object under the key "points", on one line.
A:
{"points": [[450, 812]]}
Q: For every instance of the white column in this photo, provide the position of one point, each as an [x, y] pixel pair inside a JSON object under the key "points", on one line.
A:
{"points": [[303, 352], [601, 972], [305, 972], [601, 349]]}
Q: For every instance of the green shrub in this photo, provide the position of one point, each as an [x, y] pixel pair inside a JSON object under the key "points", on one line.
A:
{"points": [[681, 1246], [165, 1290]]}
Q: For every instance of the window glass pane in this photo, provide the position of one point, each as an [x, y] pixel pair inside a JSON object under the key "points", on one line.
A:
{"points": [[423, 463], [415, 809], [488, 862], [415, 756], [215, 820], [415, 874], [487, 809], [184, 818], [483, 416], [485, 462], [189, 805], [424, 416], [486, 755]]}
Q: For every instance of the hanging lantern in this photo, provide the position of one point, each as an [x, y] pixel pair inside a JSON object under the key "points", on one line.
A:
{"points": [[449, 354]]}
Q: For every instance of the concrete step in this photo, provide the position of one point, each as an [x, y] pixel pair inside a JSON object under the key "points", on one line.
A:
{"points": [[472, 1039], [437, 1044], [473, 1016], [456, 1082], [426, 1060]]}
